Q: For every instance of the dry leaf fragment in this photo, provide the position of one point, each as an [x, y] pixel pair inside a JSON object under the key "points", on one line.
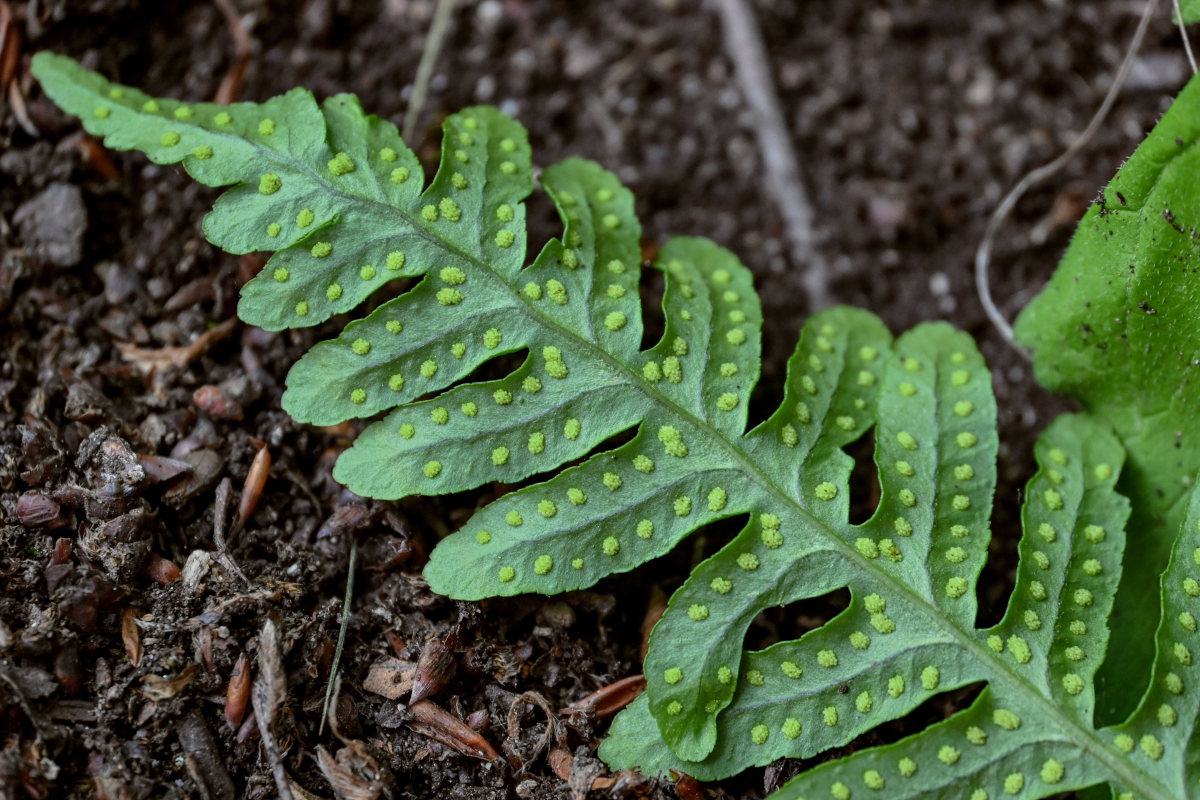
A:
{"points": [[68, 670], [131, 636], [40, 511], [237, 694], [442, 726], [214, 402], [154, 359], [160, 468], [353, 774], [157, 687], [252, 488], [300, 792], [391, 678], [191, 294], [608, 700], [560, 762], [585, 772], [688, 788]]}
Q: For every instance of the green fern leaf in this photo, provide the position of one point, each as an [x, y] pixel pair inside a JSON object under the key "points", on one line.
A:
{"points": [[911, 539], [343, 203], [335, 192]]}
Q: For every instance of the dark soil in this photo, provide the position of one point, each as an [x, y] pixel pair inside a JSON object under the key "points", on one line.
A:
{"points": [[910, 118]]}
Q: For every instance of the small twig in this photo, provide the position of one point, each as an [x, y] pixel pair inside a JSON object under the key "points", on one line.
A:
{"points": [[1187, 43], [1033, 177], [744, 44], [203, 758], [433, 46], [150, 360], [341, 642], [220, 512]]}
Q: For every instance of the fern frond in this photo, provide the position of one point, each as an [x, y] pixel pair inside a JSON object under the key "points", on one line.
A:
{"points": [[343, 203]]}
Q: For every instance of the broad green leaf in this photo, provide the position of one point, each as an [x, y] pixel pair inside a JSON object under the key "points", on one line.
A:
{"points": [[1190, 10], [1117, 328]]}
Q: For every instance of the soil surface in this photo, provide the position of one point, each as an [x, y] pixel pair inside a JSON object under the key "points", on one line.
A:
{"points": [[137, 416]]}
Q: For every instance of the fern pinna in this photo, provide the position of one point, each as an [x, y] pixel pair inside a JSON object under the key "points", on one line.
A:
{"points": [[344, 205]]}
